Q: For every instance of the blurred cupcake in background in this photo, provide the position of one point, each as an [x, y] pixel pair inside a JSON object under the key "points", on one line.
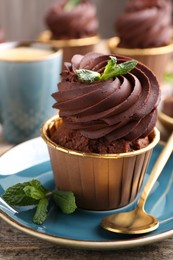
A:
{"points": [[2, 35], [168, 106], [144, 32], [73, 26], [165, 116], [165, 108]]}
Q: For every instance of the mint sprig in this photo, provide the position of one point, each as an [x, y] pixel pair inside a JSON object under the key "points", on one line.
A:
{"points": [[34, 193], [111, 70], [71, 4]]}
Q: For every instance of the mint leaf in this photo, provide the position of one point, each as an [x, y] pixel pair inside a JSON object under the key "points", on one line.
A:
{"points": [[35, 183], [65, 200], [71, 4], [112, 70], [41, 212], [15, 195], [33, 192], [88, 75], [110, 65]]}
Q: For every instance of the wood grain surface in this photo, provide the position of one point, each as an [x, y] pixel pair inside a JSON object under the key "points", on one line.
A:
{"points": [[15, 245]]}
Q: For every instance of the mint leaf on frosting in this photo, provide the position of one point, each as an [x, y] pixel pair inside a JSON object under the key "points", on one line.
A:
{"points": [[111, 70], [112, 63], [88, 75], [34, 193], [71, 4]]}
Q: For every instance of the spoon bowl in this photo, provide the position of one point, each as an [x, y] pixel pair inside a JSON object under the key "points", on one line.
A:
{"points": [[138, 221]]}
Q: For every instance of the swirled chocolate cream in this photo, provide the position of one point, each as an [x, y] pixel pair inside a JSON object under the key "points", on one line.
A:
{"points": [[145, 24], [108, 104], [72, 19]]}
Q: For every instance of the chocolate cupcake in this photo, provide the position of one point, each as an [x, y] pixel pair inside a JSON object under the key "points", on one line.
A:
{"points": [[101, 144], [144, 32], [73, 27]]}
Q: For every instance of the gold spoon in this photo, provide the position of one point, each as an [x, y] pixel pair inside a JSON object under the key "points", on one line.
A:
{"points": [[138, 221]]}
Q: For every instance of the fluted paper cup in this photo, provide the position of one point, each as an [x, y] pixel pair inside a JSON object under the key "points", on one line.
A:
{"points": [[99, 181], [156, 58], [70, 46]]}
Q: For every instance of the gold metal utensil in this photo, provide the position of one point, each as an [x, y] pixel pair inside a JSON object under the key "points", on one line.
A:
{"points": [[138, 221]]}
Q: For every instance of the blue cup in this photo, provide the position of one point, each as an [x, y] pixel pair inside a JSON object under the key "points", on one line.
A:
{"points": [[29, 73]]}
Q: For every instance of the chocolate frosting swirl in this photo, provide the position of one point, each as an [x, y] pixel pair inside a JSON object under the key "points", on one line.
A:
{"points": [[79, 22], [122, 107], [144, 24]]}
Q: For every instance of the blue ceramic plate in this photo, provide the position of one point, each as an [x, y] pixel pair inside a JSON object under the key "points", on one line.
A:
{"points": [[82, 229]]}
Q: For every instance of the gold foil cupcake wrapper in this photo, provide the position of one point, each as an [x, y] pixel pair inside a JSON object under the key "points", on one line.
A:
{"points": [[99, 181], [46, 37], [70, 46], [113, 46]]}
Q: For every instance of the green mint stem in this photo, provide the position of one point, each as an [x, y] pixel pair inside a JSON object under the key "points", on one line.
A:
{"points": [[49, 194], [71, 4]]}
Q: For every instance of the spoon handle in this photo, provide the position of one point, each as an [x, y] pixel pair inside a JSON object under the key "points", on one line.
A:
{"points": [[156, 171]]}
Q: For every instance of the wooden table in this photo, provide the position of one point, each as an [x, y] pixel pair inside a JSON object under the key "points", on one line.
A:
{"points": [[17, 245]]}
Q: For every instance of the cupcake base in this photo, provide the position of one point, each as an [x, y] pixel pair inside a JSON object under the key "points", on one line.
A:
{"points": [[156, 59], [99, 181]]}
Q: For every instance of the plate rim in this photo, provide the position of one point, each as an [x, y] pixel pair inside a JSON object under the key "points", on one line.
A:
{"points": [[87, 244]]}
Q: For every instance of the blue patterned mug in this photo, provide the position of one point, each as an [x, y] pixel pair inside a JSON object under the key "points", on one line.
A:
{"points": [[29, 73]]}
